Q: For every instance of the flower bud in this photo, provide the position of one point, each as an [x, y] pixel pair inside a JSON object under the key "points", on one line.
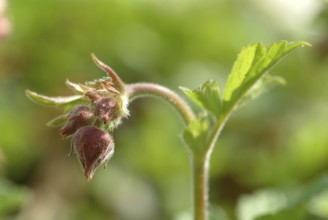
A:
{"points": [[93, 147], [106, 109], [80, 116], [93, 96]]}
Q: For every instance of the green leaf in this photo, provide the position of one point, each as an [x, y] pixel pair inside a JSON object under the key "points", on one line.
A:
{"points": [[217, 213], [206, 96], [311, 190], [260, 203], [78, 88], [58, 121], [54, 101], [270, 204], [195, 134], [252, 63], [266, 83], [319, 205], [293, 213]]}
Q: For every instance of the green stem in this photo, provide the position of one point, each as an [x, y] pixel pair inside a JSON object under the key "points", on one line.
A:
{"points": [[199, 161], [200, 168], [214, 135], [200, 164], [137, 90]]}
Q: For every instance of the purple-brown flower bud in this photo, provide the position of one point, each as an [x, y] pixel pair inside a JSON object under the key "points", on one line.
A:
{"points": [[93, 96], [93, 147], [80, 116], [106, 109]]}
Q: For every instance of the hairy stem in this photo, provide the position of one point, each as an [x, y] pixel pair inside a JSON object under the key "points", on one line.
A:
{"points": [[214, 134], [137, 90], [199, 162], [200, 170], [201, 166]]}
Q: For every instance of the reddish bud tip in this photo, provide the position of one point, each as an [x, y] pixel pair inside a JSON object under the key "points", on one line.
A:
{"points": [[93, 96], [93, 147], [118, 83], [106, 109], [80, 116]]}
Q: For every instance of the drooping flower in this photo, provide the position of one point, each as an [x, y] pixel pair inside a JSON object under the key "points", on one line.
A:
{"points": [[93, 148], [99, 108]]}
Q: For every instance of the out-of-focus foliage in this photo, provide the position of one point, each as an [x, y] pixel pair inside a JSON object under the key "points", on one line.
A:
{"points": [[278, 141], [12, 198], [4, 22], [305, 202]]}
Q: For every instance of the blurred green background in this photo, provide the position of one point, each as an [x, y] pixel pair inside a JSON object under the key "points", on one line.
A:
{"points": [[278, 141]]}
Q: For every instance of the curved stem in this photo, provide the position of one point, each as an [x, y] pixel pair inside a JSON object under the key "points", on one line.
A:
{"points": [[199, 162], [137, 90]]}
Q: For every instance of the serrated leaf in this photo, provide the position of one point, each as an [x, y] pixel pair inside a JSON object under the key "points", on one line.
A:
{"points": [[252, 63], [264, 84], [53, 101], [206, 96], [58, 121], [195, 134]]}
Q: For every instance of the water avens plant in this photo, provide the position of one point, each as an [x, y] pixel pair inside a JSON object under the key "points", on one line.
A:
{"points": [[96, 110]]}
